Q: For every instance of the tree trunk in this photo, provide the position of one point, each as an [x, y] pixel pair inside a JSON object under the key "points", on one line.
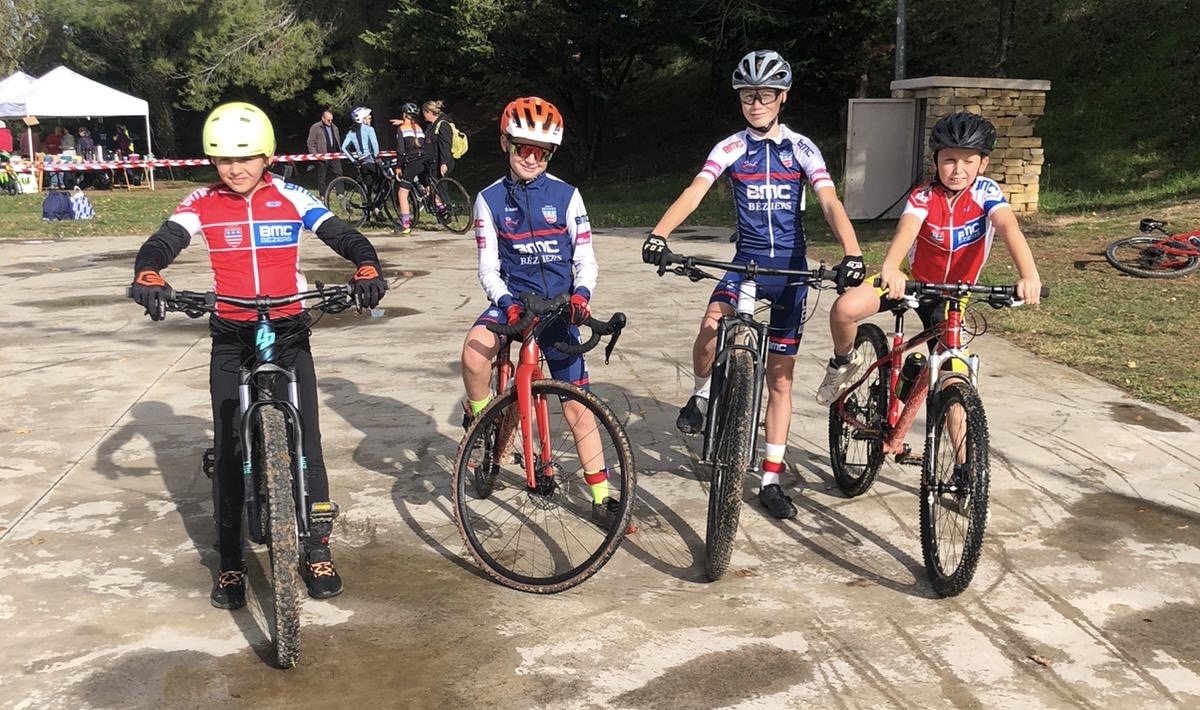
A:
{"points": [[1004, 37]]}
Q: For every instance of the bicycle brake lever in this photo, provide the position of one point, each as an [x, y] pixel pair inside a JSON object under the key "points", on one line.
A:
{"points": [[619, 319]]}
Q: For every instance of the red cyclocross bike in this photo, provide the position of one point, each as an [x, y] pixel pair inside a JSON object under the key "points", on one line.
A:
{"points": [[520, 499], [1166, 257], [872, 417]]}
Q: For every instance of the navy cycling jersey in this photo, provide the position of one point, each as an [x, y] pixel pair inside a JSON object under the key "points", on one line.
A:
{"points": [[533, 238], [767, 176]]}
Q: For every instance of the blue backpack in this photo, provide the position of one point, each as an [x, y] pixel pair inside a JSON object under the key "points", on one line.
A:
{"points": [[57, 205]]}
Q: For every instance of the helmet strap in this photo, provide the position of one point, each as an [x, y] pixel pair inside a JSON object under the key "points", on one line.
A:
{"points": [[764, 130]]}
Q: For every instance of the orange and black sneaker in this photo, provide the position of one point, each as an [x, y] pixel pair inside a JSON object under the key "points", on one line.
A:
{"points": [[320, 577], [229, 591]]}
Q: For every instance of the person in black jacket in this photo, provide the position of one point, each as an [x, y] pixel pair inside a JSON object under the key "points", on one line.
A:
{"points": [[439, 137]]}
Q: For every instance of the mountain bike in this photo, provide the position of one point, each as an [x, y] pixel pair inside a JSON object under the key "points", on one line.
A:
{"points": [[520, 499], [1167, 257], [446, 199], [739, 370], [870, 420], [278, 512], [372, 195]]}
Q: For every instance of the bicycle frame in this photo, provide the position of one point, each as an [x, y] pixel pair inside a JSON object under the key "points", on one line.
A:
{"points": [[900, 415], [747, 294]]}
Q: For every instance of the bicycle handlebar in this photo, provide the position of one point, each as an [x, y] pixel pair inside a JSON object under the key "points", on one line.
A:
{"points": [[334, 299], [688, 267], [999, 296], [536, 306]]}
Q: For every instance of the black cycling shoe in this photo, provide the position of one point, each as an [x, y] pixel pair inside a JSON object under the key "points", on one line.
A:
{"points": [[776, 503], [229, 591], [691, 417], [320, 577], [606, 514], [467, 416]]}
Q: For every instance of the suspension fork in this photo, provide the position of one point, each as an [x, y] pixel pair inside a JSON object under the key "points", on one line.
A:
{"points": [[717, 386]]}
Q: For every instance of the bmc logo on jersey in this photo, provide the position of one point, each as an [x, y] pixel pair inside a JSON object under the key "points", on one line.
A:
{"points": [[276, 234], [967, 234], [769, 192], [733, 146], [539, 246]]}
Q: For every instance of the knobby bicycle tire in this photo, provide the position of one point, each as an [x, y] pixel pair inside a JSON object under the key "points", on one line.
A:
{"points": [[857, 455], [731, 456], [954, 504], [284, 543], [347, 200], [1141, 256], [388, 204], [455, 213], [541, 541]]}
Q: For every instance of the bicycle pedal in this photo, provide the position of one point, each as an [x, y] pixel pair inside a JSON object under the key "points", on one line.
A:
{"points": [[905, 457], [323, 512]]}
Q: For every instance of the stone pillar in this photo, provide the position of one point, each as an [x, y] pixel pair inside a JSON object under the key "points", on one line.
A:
{"points": [[1012, 105]]}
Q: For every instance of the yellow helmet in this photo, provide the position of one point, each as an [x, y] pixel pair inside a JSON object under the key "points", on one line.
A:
{"points": [[238, 130]]}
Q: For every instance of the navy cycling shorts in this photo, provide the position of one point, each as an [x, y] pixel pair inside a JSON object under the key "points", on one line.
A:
{"points": [[786, 326]]}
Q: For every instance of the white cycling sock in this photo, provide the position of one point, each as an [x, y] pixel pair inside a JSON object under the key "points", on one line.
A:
{"points": [[702, 384]]}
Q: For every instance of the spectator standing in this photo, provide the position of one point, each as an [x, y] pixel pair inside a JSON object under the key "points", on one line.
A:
{"points": [[123, 142], [87, 146], [68, 140], [324, 137], [441, 134], [53, 146], [6, 139]]}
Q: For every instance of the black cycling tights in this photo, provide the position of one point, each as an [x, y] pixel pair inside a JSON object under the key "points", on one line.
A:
{"points": [[233, 344]]}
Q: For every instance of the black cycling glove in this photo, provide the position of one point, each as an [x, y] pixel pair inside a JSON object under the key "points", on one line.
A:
{"points": [[654, 249], [150, 292], [367, 287], [851, 272]]}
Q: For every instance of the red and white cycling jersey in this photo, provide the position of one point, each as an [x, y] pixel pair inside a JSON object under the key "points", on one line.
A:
{"points": [[253, 242], [956, 233]]}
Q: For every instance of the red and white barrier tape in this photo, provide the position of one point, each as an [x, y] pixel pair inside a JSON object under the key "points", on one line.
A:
{"points": [[26, 167]]}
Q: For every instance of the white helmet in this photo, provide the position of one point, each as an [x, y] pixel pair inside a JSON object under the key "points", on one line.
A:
{"points": [[360, 114], [763, 68]]}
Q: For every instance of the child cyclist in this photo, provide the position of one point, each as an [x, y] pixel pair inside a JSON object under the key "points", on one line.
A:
{"points": [[233, 218], [768, 165], [945, 232], [534, 237]]}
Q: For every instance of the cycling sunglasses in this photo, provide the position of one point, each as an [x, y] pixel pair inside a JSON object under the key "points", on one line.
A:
{"points": [[766, 97], [526, 150]]}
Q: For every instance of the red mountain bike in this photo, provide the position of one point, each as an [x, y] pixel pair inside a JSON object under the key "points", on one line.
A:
{"points": [[1166, 257], [871, 419], [520, 499]]}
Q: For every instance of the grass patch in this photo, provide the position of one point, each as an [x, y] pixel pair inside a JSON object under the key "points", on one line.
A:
{"points": [[118, 213]]}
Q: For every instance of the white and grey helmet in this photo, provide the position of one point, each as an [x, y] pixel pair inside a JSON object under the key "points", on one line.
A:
{"points": [[762, 68]]}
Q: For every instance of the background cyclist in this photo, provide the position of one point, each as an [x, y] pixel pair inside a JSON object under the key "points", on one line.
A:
{"points": [[415, 159], [768, 166], [362, 145]]}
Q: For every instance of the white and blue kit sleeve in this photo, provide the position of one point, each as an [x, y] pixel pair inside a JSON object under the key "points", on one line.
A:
{"points": [[487, 241], [584, 264]]}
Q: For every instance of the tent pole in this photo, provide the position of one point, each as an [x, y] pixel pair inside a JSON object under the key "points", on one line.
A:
{"points": [[149, 150]]}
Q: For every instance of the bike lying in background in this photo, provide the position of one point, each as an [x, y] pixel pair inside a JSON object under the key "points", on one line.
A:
{"points": [[871, 418], [1166, 257]]}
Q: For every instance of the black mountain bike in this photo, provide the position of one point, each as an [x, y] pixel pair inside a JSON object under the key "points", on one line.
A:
{"points": [[739, 370], [446, 199], [371, 197], [278, 512]]}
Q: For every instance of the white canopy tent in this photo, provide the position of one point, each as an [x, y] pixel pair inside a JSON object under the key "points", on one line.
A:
{"points": [[14, 85], [62, 92]]}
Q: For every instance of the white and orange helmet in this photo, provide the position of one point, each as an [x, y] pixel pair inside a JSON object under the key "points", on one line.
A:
{"points": [[534, 119]]}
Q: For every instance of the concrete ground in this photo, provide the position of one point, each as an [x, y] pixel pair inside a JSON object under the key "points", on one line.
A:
{"points": [[1086, 595]]}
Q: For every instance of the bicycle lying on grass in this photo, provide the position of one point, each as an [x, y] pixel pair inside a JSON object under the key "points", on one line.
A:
{"points": [[872, 417], [1166, 257], [520, 499], [278, 512], [739, 370]]}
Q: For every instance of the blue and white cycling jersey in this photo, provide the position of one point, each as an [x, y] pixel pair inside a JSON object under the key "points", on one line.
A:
{"points": [[368, 147], [533, 237], [767, 177]]}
